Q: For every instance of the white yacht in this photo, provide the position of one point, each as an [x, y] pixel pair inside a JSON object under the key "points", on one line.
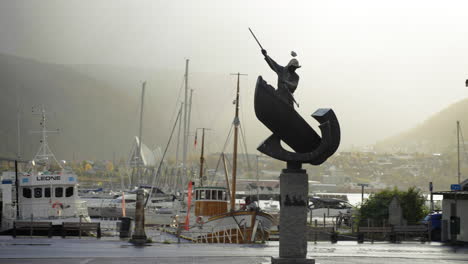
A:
{"points": [[47, 192]]}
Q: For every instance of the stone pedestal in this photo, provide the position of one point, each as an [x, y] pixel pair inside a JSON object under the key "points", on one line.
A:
{"points": [[292, 261], [139, 236], [294, 189]]}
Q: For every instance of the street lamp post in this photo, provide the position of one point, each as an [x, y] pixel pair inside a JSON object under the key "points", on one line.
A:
{"points": [[362, 190]]}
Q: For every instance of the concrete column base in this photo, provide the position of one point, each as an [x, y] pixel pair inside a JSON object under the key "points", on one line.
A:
{"points": [[292, 261], [138, 240]]}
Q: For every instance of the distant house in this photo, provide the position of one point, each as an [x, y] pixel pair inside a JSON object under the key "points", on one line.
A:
{"points": [[454, 205]]}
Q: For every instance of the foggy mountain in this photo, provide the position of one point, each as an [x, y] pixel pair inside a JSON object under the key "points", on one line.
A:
{"points": [[436, 134], [96, 108]]}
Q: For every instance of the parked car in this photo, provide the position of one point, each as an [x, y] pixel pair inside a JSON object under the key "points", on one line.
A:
{"points": [[435, 221]]}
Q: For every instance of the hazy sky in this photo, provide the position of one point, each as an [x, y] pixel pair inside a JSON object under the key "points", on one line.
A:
{"points": [[384, 66]]}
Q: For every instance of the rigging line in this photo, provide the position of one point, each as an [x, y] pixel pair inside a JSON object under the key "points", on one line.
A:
{"points": [[245, 147], [178, 98], [162, 158], [224, 147], [228, 164]]}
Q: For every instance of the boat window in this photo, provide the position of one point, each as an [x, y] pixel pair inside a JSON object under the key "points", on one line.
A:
{"points": [[37, 192], [69, 192], [47, 192], [202, 195], [220, 195], [213, 195], [59, 192], [196, 194], [26, 193], [208, 194]]}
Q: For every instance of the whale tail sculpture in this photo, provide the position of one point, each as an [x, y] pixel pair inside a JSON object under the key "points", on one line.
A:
{"points": [[288, 126]]}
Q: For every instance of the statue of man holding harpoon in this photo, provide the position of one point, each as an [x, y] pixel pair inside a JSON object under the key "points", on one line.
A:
{"points": [[287, 76]]}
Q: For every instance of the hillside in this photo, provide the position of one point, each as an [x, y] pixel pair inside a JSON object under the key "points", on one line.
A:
{"points": [[434, 135], [83, 108], [97, 107]]}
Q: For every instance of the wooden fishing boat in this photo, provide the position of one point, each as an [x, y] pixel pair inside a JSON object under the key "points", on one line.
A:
{"points": [[216, 222]]}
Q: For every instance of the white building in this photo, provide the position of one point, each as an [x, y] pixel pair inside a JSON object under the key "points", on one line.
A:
{"points": [[455, 208]]}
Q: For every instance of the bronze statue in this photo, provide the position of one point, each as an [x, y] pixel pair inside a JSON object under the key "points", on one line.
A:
{"points": [[287, 77], [274, 108]]}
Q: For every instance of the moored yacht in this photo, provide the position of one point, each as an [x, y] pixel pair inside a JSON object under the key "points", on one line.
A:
{"points": [[48, 191]]}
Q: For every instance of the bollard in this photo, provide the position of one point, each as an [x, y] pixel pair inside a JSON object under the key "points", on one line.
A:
{"points": [[334, 237], [125, 227], [139, 236], [360, 238]]}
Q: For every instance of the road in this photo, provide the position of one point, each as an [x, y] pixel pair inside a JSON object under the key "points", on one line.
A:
{"points": [[90, 251]]}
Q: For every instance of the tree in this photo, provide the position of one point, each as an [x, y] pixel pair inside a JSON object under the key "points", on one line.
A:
{"points": [[376, 207]]}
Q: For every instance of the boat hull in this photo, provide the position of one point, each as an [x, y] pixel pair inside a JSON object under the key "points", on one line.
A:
{"points": [[233, 227]]}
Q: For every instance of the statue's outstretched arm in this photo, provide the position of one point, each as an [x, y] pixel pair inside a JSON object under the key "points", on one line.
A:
{"points": [[273, 65]]}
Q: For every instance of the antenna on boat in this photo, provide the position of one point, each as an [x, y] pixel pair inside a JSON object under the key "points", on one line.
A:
{"points": [[236, 135], [44, 155]]}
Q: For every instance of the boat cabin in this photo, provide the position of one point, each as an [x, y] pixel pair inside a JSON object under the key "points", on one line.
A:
{"points": [[210, 201], [49, 195]]}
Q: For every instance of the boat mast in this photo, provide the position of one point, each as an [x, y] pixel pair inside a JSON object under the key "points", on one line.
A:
{"points": [[177, 163], [185, 141], [234, 154], [189, 118], [202, 159], [458, 150], [18, 128], [140, 135]]}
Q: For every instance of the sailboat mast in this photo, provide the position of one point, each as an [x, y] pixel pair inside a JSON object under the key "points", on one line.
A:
{"points": [[189, 117], [18, 129], [140, 134], [458, 150], [176, 179], [234, 154], [202, 158], [185, 141], [179, 126]]}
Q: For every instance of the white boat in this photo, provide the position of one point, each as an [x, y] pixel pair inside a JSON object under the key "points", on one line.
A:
{"points": [[47, 192]]}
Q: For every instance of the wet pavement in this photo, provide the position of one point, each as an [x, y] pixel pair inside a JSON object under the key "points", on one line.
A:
{"points": [[112, 250]]}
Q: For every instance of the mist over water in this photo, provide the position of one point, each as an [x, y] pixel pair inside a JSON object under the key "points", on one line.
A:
{"points": [[383, 67]]}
